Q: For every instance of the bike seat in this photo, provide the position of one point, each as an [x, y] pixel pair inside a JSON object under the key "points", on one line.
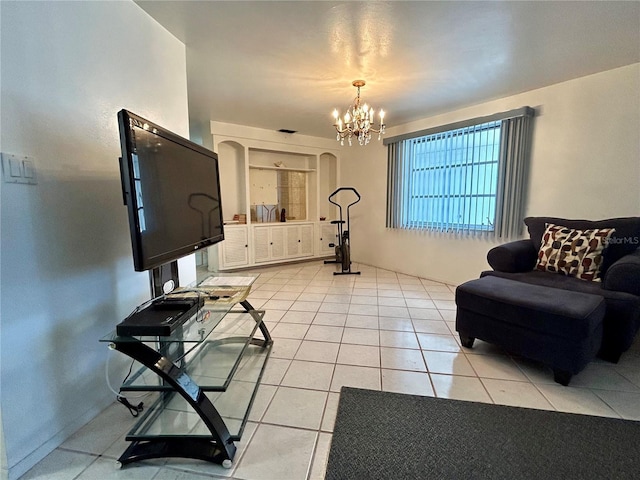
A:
{"points": [[336, 222]]}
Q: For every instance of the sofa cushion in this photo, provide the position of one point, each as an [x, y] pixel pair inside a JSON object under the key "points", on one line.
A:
{"points": [[536, 277], [624, 240], [572, 252], [622, 318], [561, 313]]}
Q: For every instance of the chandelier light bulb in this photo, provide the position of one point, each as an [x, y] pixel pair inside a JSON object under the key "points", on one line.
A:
{"points": [[359, 121]]}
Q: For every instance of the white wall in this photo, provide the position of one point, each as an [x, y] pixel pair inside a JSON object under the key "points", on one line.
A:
{"points": [[585, 164], [67, 273]]}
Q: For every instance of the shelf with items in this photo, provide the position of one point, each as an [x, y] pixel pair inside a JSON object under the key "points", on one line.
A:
{"points": [[284, 169], [207, 374], [291, 172]]}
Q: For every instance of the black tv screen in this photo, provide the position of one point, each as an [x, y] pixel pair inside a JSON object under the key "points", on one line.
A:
{"points": [[171, 187]]}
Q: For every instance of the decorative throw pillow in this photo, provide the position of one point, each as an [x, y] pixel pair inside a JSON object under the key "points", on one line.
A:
{"points": [[577, 253]]}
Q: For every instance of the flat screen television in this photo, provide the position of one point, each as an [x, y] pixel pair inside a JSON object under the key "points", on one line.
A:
{"points": [[171, 187]]}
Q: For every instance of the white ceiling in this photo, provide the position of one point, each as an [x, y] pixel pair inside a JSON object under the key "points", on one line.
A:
{"points": [[289, 64]]}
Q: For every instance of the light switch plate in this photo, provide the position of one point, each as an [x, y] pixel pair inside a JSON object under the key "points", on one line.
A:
{"points": [[18, 169]]}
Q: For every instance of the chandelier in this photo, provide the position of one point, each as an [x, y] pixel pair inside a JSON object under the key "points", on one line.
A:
{"points": [[359, 120]]}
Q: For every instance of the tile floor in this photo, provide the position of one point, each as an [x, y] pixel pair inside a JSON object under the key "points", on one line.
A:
{"points": [[379, 330]]}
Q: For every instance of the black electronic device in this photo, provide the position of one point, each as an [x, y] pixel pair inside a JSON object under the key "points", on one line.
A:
{"points": [[171, 187], [160, 318]]}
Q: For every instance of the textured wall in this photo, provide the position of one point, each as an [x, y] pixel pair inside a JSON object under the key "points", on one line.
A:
{"points": [[67, 272], [585, 164]]}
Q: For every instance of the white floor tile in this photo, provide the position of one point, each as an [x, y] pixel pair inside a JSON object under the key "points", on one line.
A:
{"points": [[285, 295], [397, 339], [263, 398], [297, 316], [460, 388], [448, 363], [337, 298], [397, 324], [322, 333], [357, 377], [516, 394], [626, 404], [110, 425], [496, 366], [104, 468], [330, 319], [305, 306], [330, 411], [420, 303], [274, 371], [440, 343], [334, 307], [277, 305], [576, 400], [392, 302], [389, 291], [60, 465], [311, 297], [603, 377], [363, 355], [413, 383], [326, 352], [361, 336], [402, 359], [319, 466], [394, 312], [276, 453], [296, 407], [312, 375], [289, 330], [431, 326], [367, 292], [285, 348], [362, 321]]}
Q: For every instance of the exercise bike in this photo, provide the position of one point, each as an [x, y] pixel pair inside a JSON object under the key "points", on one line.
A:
{"points": [[342, 249]]}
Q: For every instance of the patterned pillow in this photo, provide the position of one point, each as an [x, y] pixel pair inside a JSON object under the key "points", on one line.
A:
{"points": [[577, 253]]}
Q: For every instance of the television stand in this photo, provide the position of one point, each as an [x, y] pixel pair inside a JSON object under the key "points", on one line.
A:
{"points": [[206, 374]]}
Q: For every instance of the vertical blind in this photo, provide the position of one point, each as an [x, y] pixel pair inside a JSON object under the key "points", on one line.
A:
{"points": [[464, 178]]}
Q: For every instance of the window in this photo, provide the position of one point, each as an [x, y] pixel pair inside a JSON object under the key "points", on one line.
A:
{"points": [[461, 178]]}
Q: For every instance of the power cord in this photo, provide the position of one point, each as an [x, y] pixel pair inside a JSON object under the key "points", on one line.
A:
{"points": [[135, 410]]}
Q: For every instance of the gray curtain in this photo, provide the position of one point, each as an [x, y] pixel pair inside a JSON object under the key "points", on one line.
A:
{"points": [[515, 145]]}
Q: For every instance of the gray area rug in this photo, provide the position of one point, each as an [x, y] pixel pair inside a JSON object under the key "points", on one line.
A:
{"points": [[381, 435]]}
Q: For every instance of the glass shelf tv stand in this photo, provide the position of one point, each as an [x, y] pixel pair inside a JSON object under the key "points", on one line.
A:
{"points": [[206, 374]]}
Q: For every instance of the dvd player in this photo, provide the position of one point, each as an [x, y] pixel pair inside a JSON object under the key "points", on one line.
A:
{"points": [[161, 318]]}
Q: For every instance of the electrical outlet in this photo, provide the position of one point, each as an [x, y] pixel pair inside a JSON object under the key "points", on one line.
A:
{"points": [[18, 169]]}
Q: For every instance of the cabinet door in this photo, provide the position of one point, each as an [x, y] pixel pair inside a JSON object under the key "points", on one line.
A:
{"points": [[261, 245], [306, 240], [277, 243], [234, 249], [292, 239], [328, 235]]}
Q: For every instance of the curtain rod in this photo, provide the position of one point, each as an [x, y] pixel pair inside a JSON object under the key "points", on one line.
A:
{"points": [[518, 112]]}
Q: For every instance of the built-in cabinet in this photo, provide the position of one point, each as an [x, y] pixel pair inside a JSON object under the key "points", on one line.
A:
{"points": [[263, 173], [299, 240], [234, 251], [268, 244]]}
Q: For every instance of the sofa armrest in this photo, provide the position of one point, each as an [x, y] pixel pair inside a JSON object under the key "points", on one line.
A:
{"points": [[513, 257], [624, 274]]}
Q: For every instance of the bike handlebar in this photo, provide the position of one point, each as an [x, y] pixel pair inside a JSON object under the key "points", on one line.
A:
{"points": [[341, 189]]}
